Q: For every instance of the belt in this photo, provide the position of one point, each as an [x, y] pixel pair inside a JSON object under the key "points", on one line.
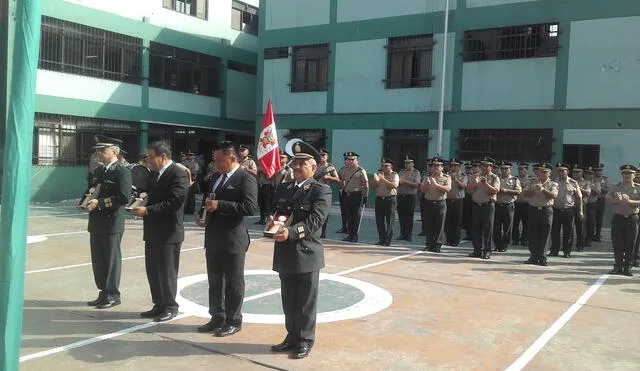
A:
{"points": [[563, 208], [626, 216], [408, 195], [484, 203], [434, 201], [540, 208], [352, 193], [503, 204], [385, 197]]}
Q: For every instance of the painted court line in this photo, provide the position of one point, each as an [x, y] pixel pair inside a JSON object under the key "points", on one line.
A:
{"points": [[537, 346], [53, 215]]}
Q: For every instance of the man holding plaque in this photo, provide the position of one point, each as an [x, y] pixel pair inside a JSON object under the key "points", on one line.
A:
{"points": [[298, 252], [106, 222], [233, 196]]}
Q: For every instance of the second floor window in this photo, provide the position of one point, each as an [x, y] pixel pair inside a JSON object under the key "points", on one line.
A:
{"points": [[196, 8], [184, 70], [244, 18], [409, 62], [310, 68]]}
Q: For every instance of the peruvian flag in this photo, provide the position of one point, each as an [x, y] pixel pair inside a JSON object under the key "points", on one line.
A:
{"points": [[268, 154]]}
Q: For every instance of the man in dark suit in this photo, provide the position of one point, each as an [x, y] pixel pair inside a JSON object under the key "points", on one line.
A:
{"points": [[163, 230], [106, 222], [299, 255], [232, 196]]}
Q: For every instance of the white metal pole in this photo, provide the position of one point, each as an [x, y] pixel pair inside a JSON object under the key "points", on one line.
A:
{"points": [[443, 78]]}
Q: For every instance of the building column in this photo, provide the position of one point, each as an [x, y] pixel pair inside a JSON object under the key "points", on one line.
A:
{"points": [[557, 146], [224, 96], [143, 138], [143, 131]]}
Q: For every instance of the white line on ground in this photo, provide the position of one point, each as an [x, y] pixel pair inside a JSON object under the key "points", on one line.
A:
{"points": [[53, 215], [546, 336], [62, 234]]}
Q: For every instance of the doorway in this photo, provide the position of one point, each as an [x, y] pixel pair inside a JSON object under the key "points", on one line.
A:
{"points": [[581, 154], [397, 144]]}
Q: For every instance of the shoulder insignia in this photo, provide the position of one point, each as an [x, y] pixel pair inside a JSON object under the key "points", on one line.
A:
{"points": [[306, 187], [301, 229]]}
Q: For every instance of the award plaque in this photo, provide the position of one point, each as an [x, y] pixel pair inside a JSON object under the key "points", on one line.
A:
{"points": [[281, 218], [90, 195], [141, 200]]}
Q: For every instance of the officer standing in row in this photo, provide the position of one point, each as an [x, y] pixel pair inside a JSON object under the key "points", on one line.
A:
{"points": [[246, 162], [355, 189], [580, 221], [566, 207], [510, 189], [343, 214], [435, 189], [625, 197], [407, 196], [541, 193], [521, 212], [592, 201], [468, 203], [325, 174], [484, 187], [455, 203], [605, 187], [386, 184], [265, 194]]}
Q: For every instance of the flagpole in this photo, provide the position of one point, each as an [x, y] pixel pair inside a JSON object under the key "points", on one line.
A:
{"points": [[443, 78]]}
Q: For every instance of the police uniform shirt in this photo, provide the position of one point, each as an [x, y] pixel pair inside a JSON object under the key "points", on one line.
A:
{"points": [[539, 199], [412, 176], [511, 183], [480, 194], [568, 194], [632, 191], [433, 194], [586, 185], [326, 169], [248, 163], [262, 177], [355, 179], [604, 185], [386, 190], [456, 192], [596, 189]]}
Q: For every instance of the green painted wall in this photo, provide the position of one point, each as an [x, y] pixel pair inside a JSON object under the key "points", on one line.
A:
{"points": [[53, 184]]}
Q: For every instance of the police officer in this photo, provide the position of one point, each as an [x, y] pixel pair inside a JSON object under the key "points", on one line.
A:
{"points": [[455, 203], [355, 189], [407, 196], [246, 162], [468, 203], [425, 174], [343, 213], [194, 168], [577, 174], [636, 249], [265, 194], [325, 174], [298, 253], [592, 200], [385, 183], [605, 187], [435, 189], [106, 223], [510, 189], [484, 187], [566, 207], [625, 198], [541, 193], [521, 208]]}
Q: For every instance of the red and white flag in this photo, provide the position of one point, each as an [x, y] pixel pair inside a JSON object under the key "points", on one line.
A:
{"points": [[268, 154]]}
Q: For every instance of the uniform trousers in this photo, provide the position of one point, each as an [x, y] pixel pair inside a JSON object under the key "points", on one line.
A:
{"points": [[265, 200], [435, 212], [225, 273], [590, 223], [599, 217], [579, 223], [623, 234], [299, 304], [406, 208], [385, 207], [562, 219], [353, 208], [482, 226], [520, 223], [343, 214], [502, 225], [540, 220], [467, 210], [162, 261], [106, 261], [453, 221]]}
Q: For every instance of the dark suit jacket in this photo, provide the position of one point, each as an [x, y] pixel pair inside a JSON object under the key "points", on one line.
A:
{"points": [[226, 229], [113, 197], [165, 205], [303, 251]]}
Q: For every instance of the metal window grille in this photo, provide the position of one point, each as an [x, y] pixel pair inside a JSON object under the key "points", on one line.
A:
{"points": [[409, 62], [60, 140], [88, 51], [276, 53], [195, 8], [184, 70], [516, 42], [506, 144], [244, 18], [310, 68], [241, 67]]}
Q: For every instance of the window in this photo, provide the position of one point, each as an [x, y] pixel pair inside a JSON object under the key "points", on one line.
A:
{"points": [[68, 140], [310, 68], [241, 67], [529, 41], [581, 154], [183, 70], [244, 18], [88, 51], [506, 145], [399, 143], [196, 8], [409, 62], [276, 53]]}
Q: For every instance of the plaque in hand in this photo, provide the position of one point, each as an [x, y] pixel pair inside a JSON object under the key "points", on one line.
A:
{"points": [[281, 218]]}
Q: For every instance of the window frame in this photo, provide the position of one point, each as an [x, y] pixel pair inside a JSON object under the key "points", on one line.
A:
{"points": [[173, 5], [408, 50], [318, 53], [246, 10], [528, 145]]}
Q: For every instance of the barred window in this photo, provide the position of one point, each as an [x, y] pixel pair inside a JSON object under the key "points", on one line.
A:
{"points": [[517, 42], [195, 8], [60, 140], [276, 53], [244, 18], [184, 70], [409, 61], [310, 68], [88, 51], [506, 144], [241, 67]]}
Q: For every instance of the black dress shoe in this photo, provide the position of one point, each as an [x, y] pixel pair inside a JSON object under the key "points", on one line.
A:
{"points": [[542, 262], [567, 255], [552, 254], [616, 270], [408, 239], [301, 351], [227, 330], [341, 230], [151, 313], [211, 326], [379, 243], [282, 347], [486, 255], [106, 304], [99, 300], [164, 316], [530, 261], [475, 255], [627, 272], [348, 239], [636, 263]]}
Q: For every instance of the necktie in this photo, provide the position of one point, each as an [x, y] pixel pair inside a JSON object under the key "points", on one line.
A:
{"points": [[222, 180]]}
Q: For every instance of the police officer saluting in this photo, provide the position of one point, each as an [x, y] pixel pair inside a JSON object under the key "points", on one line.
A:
{"points": [[541, 192], [386, 185], [407, 195], [455, 203], [435, 188], [484, 187], [625, 198], [510, 188], [325, 174], [566, 207], [355, 189]]}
